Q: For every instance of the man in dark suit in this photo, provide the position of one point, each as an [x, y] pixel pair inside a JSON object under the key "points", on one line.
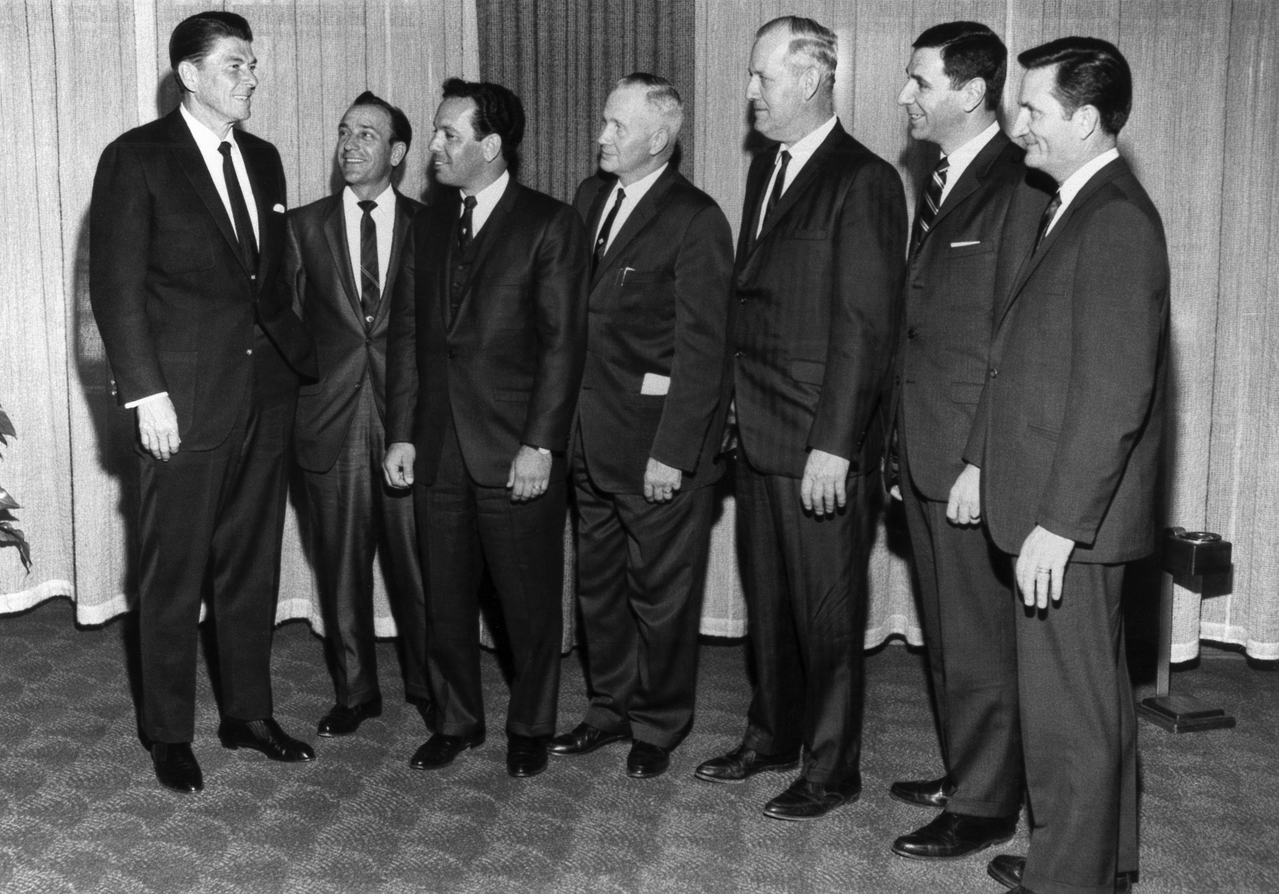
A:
{"points": [[974, 224], [186, 236], [1068, 438], [486, 354], [342, 260], [817, 276], [649, 421]]}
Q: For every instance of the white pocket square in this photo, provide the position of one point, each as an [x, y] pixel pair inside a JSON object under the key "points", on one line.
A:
{"points": [[278, 208], [655, 384], [963, 244]]}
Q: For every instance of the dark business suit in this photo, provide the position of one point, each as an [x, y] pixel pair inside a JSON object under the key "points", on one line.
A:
{"points": [[339, 441], [1069, 436], [179, 311], [659, 307], [486, 354], [816, 324], [978, 239]]}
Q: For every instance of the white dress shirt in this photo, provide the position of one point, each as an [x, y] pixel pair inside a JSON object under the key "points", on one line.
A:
{"points": [[485, 201], [634, 193], [384, 221], [1076, 181], [961, 158], [800, 153]]}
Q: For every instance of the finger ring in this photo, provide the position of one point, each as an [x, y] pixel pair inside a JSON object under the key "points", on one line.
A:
{"points": [[1043, 571]]}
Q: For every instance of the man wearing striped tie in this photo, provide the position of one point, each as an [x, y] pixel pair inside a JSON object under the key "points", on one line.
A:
{"points": [[974, 224], [344, 254]]}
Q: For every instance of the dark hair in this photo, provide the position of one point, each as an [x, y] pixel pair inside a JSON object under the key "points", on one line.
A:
{"points": [[497, 110], [1090, 72], [969, 50], [814, 42], [401, 130], [194, 37]]}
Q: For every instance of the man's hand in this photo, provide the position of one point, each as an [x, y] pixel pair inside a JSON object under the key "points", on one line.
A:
{"points": [[1041, 566], [661, 481], [397, 468], [964, 506], [158, 427], [825, 483], [530, 473]]}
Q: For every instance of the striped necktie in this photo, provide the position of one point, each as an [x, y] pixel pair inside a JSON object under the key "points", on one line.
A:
{"points": [[370, 283], [927, 211]]}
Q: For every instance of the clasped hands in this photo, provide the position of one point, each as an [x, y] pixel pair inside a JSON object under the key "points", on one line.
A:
{"points": [[528, 479]]}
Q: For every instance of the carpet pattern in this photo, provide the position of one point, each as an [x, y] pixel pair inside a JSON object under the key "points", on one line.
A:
{"points": [[80, 810]]}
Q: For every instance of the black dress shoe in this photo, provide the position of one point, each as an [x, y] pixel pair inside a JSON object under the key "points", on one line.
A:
{"points": [[525, 755], [806, 800], [439, 750], [176, 767], [342, 721], [586, 738], [955, 835], [1007, 870], [742, 763], [925, 793], [646, 761], [264, 736]]}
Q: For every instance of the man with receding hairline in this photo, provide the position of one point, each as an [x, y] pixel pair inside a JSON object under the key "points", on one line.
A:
{"points": [[186, 232], [649, 420], [817, 275]]}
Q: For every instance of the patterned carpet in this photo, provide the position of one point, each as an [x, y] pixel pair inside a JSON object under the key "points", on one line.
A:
{"points": [[80, 810]]}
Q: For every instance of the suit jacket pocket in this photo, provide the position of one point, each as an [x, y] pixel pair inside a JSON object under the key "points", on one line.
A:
{"points": [[1048, 434], [181, 371], [811, 372], [181, 243], [966, 392], [963, 251]]}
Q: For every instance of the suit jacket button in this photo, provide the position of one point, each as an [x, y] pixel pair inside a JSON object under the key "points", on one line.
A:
{"points": [[249, 351], [911, 333], [737, 353], [994, 373], [452, 354]]}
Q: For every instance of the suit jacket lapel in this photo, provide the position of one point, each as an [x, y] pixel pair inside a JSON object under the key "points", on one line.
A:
{"points": [[197, 172], [335, 235], [403, 217], [972, 177], [490, 234], [635, 222], [255, 164], [801, 182], [1035, 258], [756, 180]]}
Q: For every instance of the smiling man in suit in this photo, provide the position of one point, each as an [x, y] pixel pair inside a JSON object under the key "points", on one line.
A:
{"points": [[186, 236], [974, 225], [649, 421], [486, 352], [343, 257], [817, 278], [1069, 439]]}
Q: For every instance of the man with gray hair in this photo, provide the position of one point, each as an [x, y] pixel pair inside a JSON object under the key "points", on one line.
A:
{"points": [[650, 415], [818, 269]]}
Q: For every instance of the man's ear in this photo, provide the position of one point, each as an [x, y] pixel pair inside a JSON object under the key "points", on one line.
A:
{"points": [[1087, 121], [187, 73], [810, 80], [974, 93], [657, 142], [398, 151], [492, 147]]}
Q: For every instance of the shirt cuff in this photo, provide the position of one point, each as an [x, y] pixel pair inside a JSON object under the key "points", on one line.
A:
{"points": [[145, 400]]}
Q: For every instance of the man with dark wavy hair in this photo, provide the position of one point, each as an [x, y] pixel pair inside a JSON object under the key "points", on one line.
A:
{"points": [[186, 237], [487, 346], [1068, 440]]}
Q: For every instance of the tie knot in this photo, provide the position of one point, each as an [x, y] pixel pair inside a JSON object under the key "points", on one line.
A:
{"points": [[943, 165], [469, 201], [225, 148], [367, 206], [621, 195], [784, 157]]}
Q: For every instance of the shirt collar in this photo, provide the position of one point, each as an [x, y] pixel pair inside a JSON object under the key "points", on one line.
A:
{"points": [[639, 188], [805, 147], [1076, 181], [384, 199], [959, 160], [206, 139]]}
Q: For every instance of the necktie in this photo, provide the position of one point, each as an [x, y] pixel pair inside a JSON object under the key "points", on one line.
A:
{"points": [[1049, 213], [239, 210], [927, 211], [779, 184], [602, 242], [370, 286], [465, 231]]}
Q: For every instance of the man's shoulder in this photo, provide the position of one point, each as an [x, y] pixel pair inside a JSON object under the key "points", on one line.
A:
{"points": [[252, 141], [409, 204], [155, 132], [315, 211]]}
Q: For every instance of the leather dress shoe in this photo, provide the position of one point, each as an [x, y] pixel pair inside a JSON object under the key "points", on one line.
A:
{"points": [[807, 800], [742, 763], [926, 793], [646, 761], [1007, 869], [264, 736], [342, 721], [585, 738], [440, 750], [955, 835], [176, 767], [525, 755]]}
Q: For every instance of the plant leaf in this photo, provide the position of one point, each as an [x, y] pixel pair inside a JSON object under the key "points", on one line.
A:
{"points": [[6, 427], [9, 535], [6, 501]]}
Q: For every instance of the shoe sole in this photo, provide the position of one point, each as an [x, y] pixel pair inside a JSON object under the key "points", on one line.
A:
{"points": [[413, 766], [529, 775], [578, 752], [938, 858], [804, 819], [1002, 877], [915, 802], [776, 768]]}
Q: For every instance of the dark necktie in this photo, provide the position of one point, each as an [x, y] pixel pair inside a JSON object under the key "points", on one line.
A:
{"points": [[239, 211], [779, 184], [370, 288], [601, 243], [1049, 213], [927, 211], [465, 226]]}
